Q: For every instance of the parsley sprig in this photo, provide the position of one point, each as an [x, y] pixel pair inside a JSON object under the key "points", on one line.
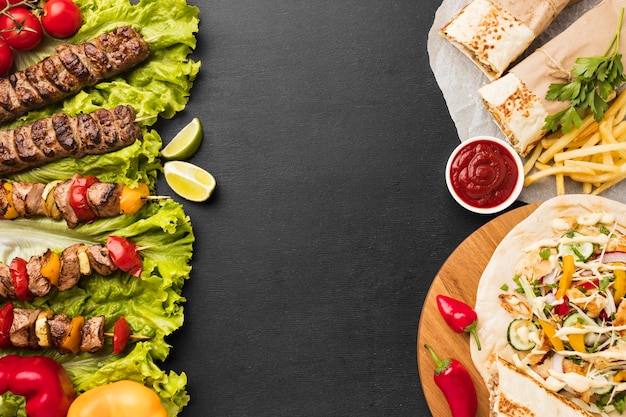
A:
{"points": [[594, 79]]}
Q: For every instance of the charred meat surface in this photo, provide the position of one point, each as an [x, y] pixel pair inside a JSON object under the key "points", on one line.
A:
{"points": [[62, 135], [70, 69]]}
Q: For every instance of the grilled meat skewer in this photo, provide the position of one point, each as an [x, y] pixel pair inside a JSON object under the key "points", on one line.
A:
{"points": [[36, 328], [61, 136], [58, 199], [23, 280], [70, 69]]}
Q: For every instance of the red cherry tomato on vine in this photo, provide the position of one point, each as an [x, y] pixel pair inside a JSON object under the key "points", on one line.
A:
{"points": [[21, 28], [61, 18], [6, 57]]}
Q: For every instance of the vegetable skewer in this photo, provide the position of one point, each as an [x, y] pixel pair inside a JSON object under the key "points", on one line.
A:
{"points": [[69, 70], [77, 199], [23, 279], [61, 136], [36, 328]]}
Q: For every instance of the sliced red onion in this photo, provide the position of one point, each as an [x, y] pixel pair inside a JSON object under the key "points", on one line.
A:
{"points": [[617, 256], [549, 279]]}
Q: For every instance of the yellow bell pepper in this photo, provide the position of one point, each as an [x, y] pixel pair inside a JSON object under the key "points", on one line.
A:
{"points": [[71, 341], [550, 330], [577, 341], [619, 286], [132, 199], [11, 213], [119, 399], [51, 269], [620, 376], [567, 275]]}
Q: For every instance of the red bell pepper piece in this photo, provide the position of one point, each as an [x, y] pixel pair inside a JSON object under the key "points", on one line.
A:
{"points": [[459, 316], [564, 308], [121, 335], [41, 380], [456, 384], [6, 320], [19, 277], [78, 198], [125, 255]]}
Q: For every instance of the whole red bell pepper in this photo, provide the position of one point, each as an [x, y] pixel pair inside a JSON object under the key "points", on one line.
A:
{"points": [[78, 198], [456, 385], [41, 380], [459, 316]]}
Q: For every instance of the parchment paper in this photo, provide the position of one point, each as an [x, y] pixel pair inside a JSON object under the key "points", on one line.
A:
{"points": [[459, 80]]}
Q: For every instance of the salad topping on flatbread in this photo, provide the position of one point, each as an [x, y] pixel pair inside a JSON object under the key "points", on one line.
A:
{"points": [[551, 302]]}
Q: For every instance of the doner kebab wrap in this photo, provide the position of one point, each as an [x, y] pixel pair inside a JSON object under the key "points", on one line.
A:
{"points": [[517, 100], [494, 33]]}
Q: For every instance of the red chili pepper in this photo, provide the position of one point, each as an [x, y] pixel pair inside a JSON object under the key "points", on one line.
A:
{"points": [[459, 316], [6, 320], [78, 198], [41, 380], [121, 335], [456, 384], [124, 253], [19, 277]]}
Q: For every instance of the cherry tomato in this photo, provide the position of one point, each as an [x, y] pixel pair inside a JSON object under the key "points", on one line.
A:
{"points": [[21, 28], [78, 198], [124, 253], [3, 3], [61, 18], [6, 57], [121, 335], [6, 320], [19, 277]]}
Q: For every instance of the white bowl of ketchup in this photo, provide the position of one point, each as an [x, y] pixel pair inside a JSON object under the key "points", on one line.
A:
{"points": [[485, 175]]}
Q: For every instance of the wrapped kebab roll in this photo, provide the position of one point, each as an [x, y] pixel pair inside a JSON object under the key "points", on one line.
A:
{"points": [[494, 33], [517, 100]]}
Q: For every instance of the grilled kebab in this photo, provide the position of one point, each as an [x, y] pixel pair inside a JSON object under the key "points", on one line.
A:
{"points": [[61, 136], [76, 200], [70, 69]]}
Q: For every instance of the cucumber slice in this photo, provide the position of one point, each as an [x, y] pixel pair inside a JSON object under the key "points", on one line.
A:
{"points": [[574, 318], [518, 332], [580, 250]]}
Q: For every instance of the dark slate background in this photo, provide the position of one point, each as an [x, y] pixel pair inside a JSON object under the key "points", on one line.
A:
{"points": [[328, 137]]}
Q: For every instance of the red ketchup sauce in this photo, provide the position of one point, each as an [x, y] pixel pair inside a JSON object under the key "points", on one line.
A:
{"points": [[483, 174]]}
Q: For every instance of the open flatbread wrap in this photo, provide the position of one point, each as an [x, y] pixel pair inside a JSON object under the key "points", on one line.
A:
{"points": [[529, 260]]}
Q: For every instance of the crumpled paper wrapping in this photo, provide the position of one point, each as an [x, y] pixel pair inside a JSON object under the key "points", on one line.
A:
{"points": [[459, 80]]}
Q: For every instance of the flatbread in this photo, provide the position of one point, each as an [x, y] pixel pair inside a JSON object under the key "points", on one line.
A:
{"points": [[515, 394], [493, 319]]}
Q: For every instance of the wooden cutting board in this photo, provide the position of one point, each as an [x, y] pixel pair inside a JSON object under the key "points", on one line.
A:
{"points": [[458, 278]]}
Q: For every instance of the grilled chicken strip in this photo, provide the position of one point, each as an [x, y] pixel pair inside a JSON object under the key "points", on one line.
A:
{"points": [[70, 69], [61, 136]]}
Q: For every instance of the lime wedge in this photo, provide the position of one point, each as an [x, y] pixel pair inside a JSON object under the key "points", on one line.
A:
{"points": [[185, 143], [188, 180]]}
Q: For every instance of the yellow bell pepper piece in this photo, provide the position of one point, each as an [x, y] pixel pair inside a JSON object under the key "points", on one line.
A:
{"points": [[132, 199], [550, 330], [577, 342], [620, 376], [51, 269], [71, 341], [11, 213], [566, 277], [619, 286]]}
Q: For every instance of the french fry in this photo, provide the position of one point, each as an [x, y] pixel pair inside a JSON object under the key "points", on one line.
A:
{"points": [[593, 155]]}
